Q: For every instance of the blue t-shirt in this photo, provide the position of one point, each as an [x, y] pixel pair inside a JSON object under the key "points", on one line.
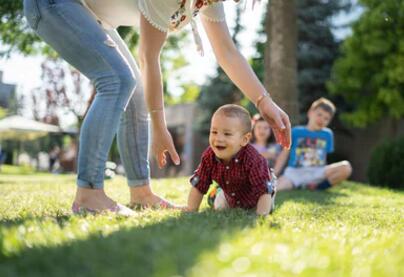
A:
{"points": [[310, 148]]}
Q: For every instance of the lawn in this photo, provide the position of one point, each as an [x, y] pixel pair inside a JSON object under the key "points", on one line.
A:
{"points": [[352, 230]]}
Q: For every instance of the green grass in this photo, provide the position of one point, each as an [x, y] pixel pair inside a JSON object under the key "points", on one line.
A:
{"points": [[14, 170], [353, 230]]}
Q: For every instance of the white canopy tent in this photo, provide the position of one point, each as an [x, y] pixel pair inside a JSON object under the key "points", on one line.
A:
{"points": [[19, 128]]}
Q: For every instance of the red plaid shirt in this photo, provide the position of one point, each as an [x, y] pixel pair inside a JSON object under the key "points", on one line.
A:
{"points": [[243, 180]]}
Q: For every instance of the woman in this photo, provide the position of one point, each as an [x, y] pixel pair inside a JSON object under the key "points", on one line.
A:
{"points": [[83, 33]]}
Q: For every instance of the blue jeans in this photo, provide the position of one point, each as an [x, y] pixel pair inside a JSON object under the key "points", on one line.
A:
{"points": [[119, 106]]}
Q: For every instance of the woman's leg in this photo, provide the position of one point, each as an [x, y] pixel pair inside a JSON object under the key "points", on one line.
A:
{"points": [[133, 137], [70, 29]]}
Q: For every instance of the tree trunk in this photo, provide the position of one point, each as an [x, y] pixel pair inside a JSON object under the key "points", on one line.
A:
{"points": [[280, 56]]}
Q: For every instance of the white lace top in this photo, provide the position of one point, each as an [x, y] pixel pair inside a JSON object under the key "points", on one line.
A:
{"points": [[165, 15]]}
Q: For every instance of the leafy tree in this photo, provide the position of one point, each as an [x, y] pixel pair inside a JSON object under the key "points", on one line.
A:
{"points": [[60, 93], [15, 34], [317, 49], [370, 73]]}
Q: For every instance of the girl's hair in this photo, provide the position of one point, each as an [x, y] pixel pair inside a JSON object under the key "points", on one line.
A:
{"points": [[256, 118]]}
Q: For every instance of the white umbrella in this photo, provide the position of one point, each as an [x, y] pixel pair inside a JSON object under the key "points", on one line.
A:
{"points": [[19, 128]]}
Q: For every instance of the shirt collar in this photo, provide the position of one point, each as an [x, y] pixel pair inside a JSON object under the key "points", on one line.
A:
{"points": [[235, 159]]}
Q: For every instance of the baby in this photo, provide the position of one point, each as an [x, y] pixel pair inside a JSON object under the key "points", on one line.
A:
{"points": [[232, 162]]}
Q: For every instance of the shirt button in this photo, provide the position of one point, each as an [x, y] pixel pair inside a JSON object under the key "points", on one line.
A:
{"points": [[227, 167], [238, 202], [227, 182], [236, 160], [233, 194]]}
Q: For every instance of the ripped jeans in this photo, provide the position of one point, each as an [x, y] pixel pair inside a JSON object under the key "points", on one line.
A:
{"points": [[119, 106]]}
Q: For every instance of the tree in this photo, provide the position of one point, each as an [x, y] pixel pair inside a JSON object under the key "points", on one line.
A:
{"points": [[317, 50], [370, 73], [280, 55], [61, 93], [15, 34]]}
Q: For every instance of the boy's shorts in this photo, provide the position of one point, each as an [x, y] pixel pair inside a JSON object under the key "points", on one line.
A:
{"points": [[302, 176]]}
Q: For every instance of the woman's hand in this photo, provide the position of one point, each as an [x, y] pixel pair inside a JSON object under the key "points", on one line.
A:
{"points": [[241, 73], [277, 119], [163, 143]]}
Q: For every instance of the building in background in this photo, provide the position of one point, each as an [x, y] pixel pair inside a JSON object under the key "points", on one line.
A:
{"points": [[8, 97]]}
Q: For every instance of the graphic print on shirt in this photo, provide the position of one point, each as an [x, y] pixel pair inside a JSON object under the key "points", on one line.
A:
{"points": [[310, 152]]}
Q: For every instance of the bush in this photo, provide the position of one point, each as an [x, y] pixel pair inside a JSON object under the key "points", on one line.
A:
{"points": [[386, 166]]}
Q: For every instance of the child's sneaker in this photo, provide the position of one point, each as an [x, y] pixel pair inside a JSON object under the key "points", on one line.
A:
{"points": [[212, 192], [272, 190], [273, 202]]}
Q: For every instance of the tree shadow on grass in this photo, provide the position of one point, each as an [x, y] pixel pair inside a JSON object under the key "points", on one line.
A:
{"points": [[60, 219], [169, 247]]}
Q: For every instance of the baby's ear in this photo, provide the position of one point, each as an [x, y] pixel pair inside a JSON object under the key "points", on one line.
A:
{"points": [[246, 138]]}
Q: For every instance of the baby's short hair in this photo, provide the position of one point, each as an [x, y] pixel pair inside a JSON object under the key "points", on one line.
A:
{"points": [[232, 110], [324, 104]]}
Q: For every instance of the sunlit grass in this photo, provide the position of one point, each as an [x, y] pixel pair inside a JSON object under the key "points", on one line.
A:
{"points": [[353, 230]]}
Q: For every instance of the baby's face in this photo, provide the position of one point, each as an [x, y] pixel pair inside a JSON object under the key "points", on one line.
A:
{"points": [[227, 136], [318, 119]]}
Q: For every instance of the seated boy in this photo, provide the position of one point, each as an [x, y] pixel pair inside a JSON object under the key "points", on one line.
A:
{"points": [[307, 166], [241, 172]]}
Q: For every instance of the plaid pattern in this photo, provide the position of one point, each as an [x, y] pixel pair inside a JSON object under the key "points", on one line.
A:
{"points": [[243, 180]]}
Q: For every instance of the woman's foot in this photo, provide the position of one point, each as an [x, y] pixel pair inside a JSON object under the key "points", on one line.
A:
{"points": [[96, 201], [118, 209], [143, 197]]}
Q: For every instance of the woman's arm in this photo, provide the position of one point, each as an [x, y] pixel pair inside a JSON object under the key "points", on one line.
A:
{"points": [[241, 73], [150, 43]]}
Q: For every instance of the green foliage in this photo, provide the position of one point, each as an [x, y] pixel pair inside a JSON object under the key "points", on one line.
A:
{"points": [[3, 112], [370, 74], [218, 91], [387, 163], [17, 170], [317, 49], [190, 93], [171, 61], [15, 34], [130, 36], [257, 61], [352, 230]]}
